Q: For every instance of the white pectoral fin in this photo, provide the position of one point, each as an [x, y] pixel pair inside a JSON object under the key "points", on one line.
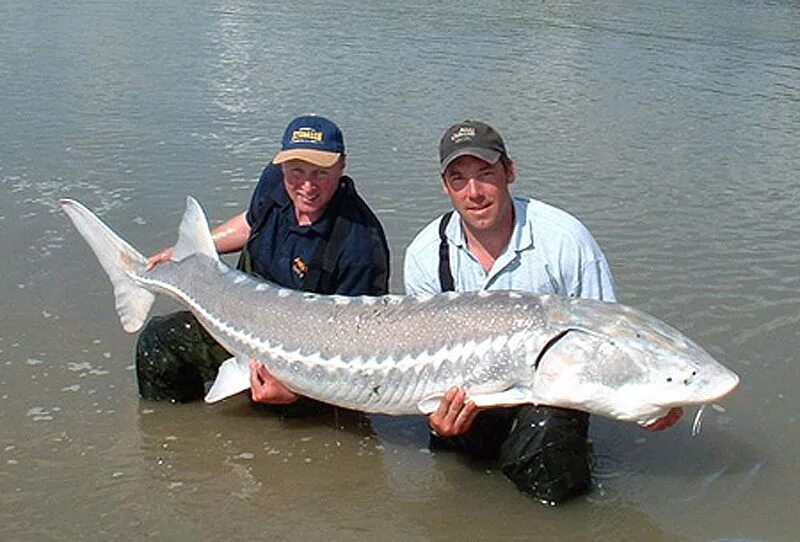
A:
{"points": [[233, 377], [515, 395], [430, 404]]}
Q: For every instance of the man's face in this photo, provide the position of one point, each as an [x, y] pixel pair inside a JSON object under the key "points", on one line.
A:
{"points": [[479, 192], [310, 188]]}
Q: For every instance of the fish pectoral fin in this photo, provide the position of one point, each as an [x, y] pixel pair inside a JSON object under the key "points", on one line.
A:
{"points": [[233, 377], [515, 395], [430, 404]]}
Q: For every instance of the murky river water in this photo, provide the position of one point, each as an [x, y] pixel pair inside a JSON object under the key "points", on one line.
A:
{"points": [[670, 128]]}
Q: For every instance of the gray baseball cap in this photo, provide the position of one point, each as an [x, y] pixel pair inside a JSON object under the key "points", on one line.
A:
{"points": [[471, 138]]}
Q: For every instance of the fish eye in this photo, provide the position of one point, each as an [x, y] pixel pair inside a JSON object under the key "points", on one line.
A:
{"points": [[669, 379]]}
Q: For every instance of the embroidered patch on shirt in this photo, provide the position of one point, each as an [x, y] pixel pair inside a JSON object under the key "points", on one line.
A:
{"points": [[299, 267]]}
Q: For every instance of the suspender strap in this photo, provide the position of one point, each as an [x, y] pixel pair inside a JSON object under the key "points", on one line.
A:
{"points": [[322, 266], [245, 262], [349, 208], [380, 260], [445, 275]]}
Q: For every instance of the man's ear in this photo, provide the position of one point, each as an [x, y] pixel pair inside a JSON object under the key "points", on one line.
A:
{"points": [[511, 170]]}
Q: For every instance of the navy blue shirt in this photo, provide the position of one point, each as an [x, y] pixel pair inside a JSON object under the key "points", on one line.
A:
{"points": [[282, 251]]}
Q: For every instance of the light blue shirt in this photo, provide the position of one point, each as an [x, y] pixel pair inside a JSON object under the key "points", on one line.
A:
{"points": [[550, 252]]}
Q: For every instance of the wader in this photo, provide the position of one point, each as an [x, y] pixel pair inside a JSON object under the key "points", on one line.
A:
{"points": [[176, 357], [543, 450]]}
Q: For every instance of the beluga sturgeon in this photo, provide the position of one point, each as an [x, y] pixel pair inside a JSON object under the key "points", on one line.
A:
{"points": [[397, 354]]}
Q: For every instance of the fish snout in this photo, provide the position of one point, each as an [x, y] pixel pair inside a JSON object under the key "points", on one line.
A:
{"points": [[710, 386]]}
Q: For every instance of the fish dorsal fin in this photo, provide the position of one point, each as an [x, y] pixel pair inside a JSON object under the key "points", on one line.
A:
{"points": [[233, 377], [515, 395], [194, 235]]}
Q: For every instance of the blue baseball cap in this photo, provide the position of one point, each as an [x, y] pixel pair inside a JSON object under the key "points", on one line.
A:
{"points": [[312, 139]]}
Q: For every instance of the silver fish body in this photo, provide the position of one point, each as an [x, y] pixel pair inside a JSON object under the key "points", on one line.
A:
{"points": [[400, 354]]}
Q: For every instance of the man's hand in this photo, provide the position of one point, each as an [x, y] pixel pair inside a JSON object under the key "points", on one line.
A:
{"points": [[161, 256], [455, 414], [265, 388], [667, 421]]}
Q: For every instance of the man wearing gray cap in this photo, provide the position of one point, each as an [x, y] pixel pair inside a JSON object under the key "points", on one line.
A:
{"points": [[495, 241]]}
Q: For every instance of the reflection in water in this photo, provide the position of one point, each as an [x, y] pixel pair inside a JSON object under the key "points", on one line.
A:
{"points": [[238, 434], [240, 462], [233, 464]]}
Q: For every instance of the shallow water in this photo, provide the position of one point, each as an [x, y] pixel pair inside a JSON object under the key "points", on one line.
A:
{"points": [[670, 128]]}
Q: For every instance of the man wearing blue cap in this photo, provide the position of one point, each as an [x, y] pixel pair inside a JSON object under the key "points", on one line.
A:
{"points": [[307, 229], [493, 241]]}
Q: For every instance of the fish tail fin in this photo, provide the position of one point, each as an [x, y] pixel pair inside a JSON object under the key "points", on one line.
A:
{"points": [[119, 260], [194, 235]]}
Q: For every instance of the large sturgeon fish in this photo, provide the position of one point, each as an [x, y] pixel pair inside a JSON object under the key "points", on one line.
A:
{"points": [[399, 354]]}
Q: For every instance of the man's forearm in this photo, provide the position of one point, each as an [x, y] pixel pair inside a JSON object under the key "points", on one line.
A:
{"points": [[231, 235]]}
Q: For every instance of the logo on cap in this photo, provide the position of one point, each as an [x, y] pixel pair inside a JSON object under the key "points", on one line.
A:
{"points": [[307, 135], [463, 133], [312, 139]]}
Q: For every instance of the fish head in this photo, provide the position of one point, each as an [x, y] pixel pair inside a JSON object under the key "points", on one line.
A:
{"points": [[622, 363]]}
